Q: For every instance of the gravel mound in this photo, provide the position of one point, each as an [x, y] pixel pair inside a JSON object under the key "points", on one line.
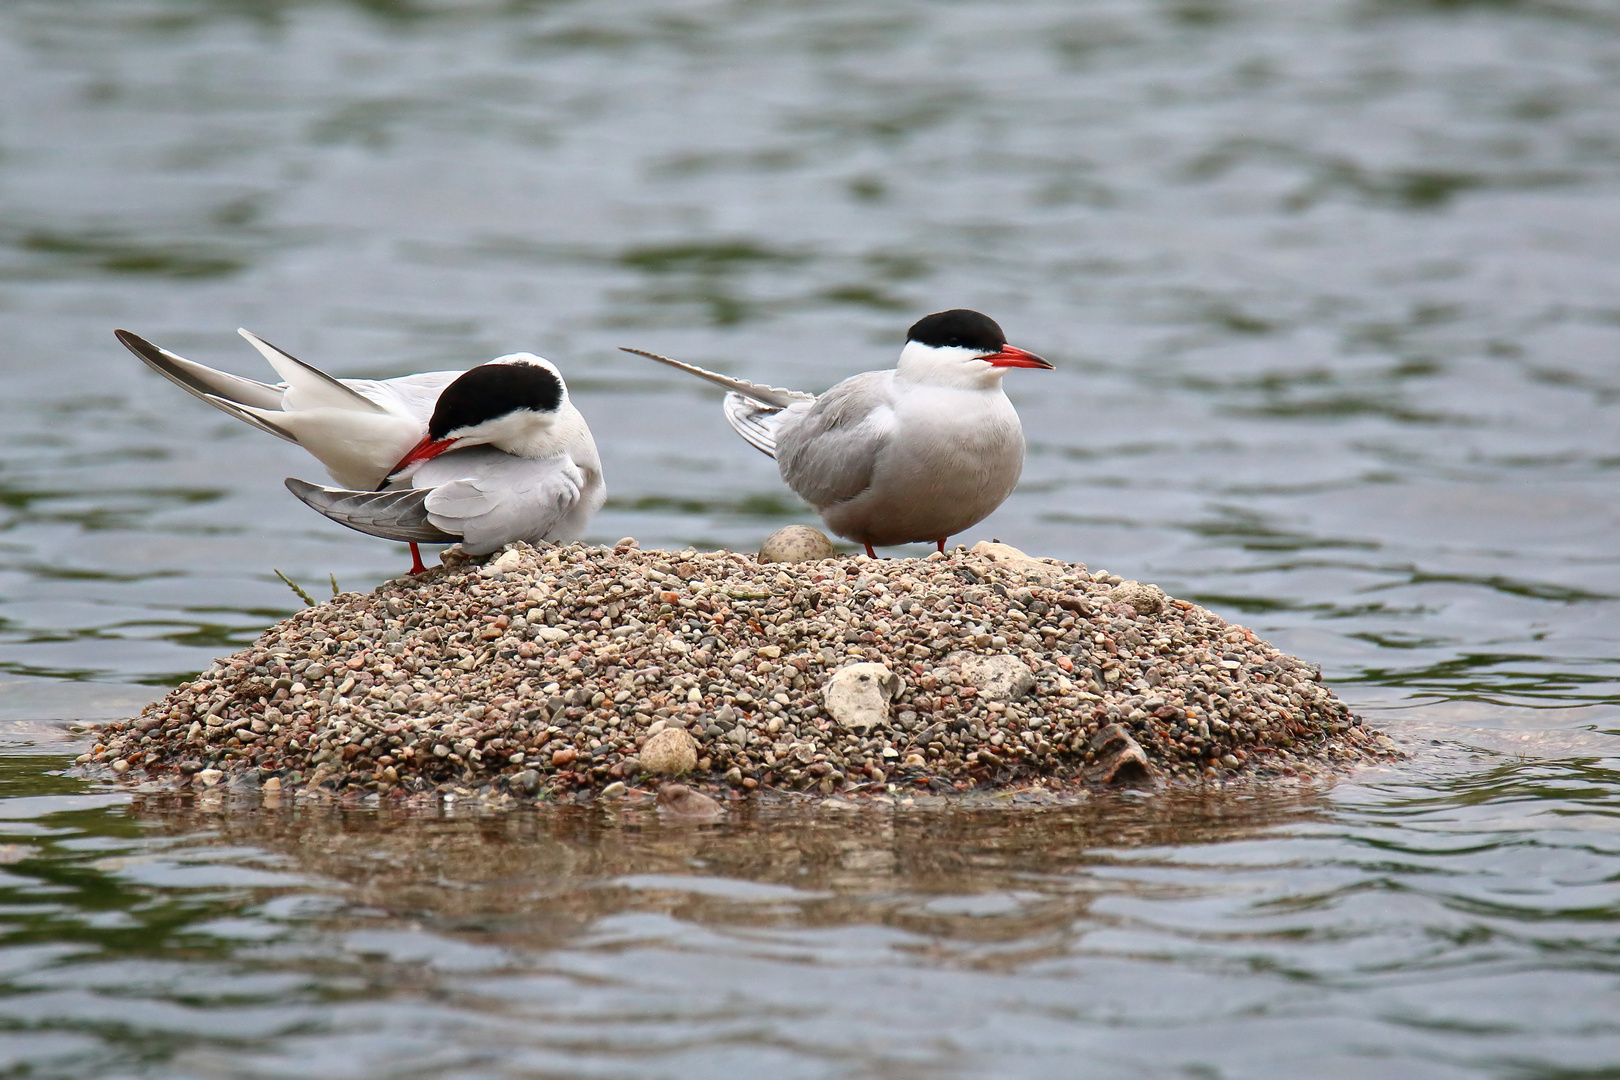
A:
{"points": [[555, 671]]}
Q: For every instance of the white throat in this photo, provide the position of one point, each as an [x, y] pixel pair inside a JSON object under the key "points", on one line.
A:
{"points": [[949, 366]]}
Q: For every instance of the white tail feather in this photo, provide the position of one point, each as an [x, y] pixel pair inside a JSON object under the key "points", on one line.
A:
{"points": [[774, 396], [309, 387]]}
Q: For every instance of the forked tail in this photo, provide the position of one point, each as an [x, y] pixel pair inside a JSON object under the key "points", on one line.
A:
{"points": [[753, 411]]}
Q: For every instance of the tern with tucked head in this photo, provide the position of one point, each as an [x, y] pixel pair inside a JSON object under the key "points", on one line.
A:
{"points": [[916, 454], [483, 457]]}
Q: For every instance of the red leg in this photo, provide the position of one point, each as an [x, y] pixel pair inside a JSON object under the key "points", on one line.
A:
{"points": [[416, 560], [870, 554], [941, 544]]}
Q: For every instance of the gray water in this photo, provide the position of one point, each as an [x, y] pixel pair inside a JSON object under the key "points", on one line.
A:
{"points": [[1333, 289]]}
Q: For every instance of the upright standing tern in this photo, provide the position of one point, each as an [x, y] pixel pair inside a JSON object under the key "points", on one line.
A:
{"points": [[484, 457], [896, 457]]}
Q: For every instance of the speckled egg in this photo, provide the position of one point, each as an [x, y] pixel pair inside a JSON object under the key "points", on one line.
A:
{"points": [[796, 543]]}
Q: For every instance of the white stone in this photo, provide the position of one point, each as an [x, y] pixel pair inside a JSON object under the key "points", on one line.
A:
{"points": [[208, 777], [1013, 559], [505, 564], [998, 678], [858, 695]]}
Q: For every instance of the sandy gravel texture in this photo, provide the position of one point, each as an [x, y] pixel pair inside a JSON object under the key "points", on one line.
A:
{"points": [[580, 671]]}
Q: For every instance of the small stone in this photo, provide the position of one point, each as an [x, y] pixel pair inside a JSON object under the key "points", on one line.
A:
{"points": [[564, 757], [509, 561], [614, 790], [858, 695], [796, 544], [272, 784], [1145, 599], [1010, 557], [527, 782], [998, 678], [120, 766], [671, 752], [681, 803], [1119, 759], [208, 777]]}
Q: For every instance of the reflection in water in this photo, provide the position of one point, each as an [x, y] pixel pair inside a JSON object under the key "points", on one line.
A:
{"points": [[463, 864], [1456, 922]]}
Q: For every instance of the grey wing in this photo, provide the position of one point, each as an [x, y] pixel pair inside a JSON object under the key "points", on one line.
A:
{"points": [[393, 515], [756, 423], [490, 498], [828, 450], [201, 381]]}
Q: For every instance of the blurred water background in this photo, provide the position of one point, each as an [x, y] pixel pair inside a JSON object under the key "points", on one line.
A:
{"points": [[1334, 293]]}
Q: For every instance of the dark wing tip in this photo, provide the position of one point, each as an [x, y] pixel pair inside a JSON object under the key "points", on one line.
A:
{"points": [[135, 343], [390, 515]]}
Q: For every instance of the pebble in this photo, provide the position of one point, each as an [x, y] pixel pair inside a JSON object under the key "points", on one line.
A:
{"points": [[571, 669], [670, 752], [857, 695], [998, 678], [1145, 599], [1117, 758], [681, 803]]}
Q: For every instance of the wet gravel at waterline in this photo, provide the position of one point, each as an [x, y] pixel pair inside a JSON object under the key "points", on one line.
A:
{"points": [[1330, 288], [543, 672]]}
